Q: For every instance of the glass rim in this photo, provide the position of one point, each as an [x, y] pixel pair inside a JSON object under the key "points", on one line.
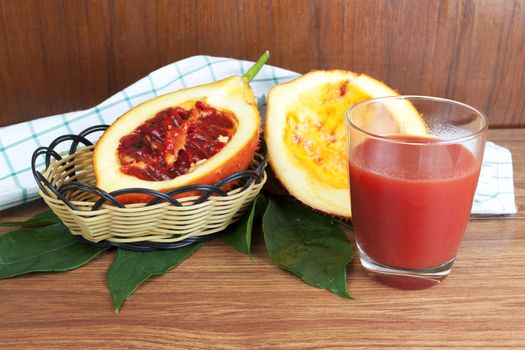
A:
{"points": [[460, 139]]}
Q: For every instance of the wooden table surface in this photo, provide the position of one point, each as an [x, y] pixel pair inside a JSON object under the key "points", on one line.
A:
{"points": [[219, 299]]}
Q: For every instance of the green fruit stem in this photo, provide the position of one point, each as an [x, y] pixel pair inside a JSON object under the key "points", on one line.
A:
{"points": [[254, 70]]}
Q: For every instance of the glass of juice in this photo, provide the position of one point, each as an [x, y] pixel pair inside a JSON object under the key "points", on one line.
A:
{"points": [[414, 163]]}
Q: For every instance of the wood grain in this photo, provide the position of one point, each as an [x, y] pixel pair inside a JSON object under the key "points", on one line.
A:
{"points": [[58, 56], [218, 299]]}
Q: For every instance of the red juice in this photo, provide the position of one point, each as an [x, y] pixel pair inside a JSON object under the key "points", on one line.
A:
{"points": [[411, 201]]}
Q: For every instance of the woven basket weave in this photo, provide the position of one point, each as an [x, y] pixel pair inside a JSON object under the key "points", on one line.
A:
{"points": [[160, 223]]}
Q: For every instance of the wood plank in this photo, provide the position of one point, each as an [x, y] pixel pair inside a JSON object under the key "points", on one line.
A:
{"points": [[220, 299], [60, 56]]}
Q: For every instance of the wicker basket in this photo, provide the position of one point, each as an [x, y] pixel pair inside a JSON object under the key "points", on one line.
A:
{"points": [[67, 185]]}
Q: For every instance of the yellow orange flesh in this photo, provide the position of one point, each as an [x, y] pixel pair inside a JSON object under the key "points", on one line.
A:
{"points": [[315, 133]]}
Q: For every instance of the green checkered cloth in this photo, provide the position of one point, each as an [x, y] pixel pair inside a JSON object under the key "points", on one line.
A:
{"points": [[495, 194]]}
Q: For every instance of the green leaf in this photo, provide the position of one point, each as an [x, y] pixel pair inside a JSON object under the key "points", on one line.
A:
{"points": [[131, 268], [45, 249], [239, 234], [42, 219], [308, 244], [261, 203]]}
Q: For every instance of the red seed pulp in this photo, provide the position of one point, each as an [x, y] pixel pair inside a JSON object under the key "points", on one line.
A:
{"points": [[174, 140]]}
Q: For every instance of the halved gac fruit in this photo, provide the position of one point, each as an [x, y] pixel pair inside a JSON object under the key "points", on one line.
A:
{"points": [[196, 135], [306, 136]]}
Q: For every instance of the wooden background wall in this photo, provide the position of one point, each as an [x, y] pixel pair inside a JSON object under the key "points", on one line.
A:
{"points": [[61, 55]]}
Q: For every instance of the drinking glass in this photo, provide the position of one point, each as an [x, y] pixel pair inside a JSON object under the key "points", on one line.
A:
{"points": [[414, 163]]}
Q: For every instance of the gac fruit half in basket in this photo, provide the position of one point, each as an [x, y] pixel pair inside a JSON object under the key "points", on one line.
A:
{"points": [[197, 135]]}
